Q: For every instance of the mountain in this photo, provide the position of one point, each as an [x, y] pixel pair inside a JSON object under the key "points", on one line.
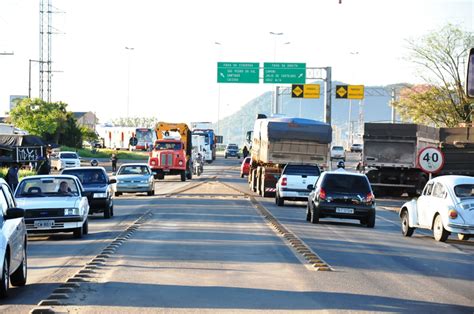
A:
{"points": [[374, 107]]}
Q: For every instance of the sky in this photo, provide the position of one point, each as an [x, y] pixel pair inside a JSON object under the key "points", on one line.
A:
{"points": [[171, 73]]}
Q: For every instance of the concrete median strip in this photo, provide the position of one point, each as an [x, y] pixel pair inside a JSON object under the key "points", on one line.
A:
{"points": [[60, 296]]}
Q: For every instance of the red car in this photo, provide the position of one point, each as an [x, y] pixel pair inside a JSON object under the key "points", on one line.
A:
{"points": [[244, 168]]}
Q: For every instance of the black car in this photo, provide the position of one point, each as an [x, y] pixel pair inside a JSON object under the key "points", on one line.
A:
{"points": [[96, 182], [342, 194], [232, 150]]}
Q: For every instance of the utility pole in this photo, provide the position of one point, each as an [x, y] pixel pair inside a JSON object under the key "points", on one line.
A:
{"points": [[327, 98]]}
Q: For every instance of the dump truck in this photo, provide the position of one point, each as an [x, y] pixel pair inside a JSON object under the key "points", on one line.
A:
{"points": [[391, 150], [171, 154], [279, 141]]}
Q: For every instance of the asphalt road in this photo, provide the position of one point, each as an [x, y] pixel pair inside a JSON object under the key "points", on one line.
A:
{"points": [[207, 248]]}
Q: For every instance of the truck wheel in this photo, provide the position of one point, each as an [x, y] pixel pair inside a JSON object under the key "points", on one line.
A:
{"points": [[463, 236], [160, 176], [183, 176], [440, 234], [407, 231]]}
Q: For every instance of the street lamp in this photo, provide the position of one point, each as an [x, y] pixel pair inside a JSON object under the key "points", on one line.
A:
{"points": [[218, 91], [130, 49], [275, 35]]}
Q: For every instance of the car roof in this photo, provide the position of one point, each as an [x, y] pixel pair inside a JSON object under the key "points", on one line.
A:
{"points": [[134, 164], [68, 152], [52, 176], [336, 172], [454, 180], [84, 168]]}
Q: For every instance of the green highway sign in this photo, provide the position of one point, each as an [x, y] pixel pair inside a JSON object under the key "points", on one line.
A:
{"points": [[286, 73], [234, 72]]}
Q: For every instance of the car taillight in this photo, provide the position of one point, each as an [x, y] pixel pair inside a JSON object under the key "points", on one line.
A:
{"points": [[370, 197], [453, 214], [322, 194], [284, 181]]}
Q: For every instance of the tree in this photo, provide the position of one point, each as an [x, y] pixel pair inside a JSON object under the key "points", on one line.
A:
{"points": [[440, 57], [50, 121]]}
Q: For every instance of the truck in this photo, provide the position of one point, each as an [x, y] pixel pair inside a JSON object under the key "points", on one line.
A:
{"points": [[282, 140], [210, 140], [115, 137], [171, 154], [390, 153]]}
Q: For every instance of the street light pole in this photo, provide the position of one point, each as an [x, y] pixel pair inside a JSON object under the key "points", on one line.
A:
{"points": [[130, 49], [218, 92]]}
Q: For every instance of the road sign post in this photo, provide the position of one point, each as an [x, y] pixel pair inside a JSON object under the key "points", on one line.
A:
{"points": [[430, 160], [234, 72]]}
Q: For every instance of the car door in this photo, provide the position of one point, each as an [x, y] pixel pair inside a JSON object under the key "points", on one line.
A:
{"points": [[423, 203], [438, 198], [12, 227]]}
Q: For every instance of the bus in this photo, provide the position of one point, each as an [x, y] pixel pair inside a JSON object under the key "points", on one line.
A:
{"points": [[145, 138]]}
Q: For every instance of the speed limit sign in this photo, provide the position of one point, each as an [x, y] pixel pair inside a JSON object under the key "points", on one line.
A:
{"points": [[430, 160]]}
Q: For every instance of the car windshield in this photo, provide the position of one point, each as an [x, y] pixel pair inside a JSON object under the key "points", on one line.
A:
{"points": [[337, 148], [167, 146], [87, 176], [133, 170], [232, 147], [464, 190], [309, 170], [47, 187], [68, 155], [345, 183]]}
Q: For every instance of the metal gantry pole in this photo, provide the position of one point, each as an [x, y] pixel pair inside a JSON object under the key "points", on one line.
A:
{"points": [[328, 99]]}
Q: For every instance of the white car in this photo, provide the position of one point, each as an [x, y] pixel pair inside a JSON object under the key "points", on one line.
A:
{"points": [[445, 206], [13, 242], [135, 178], [54, 203], [294, 181], [337, 152], [65, 160]]}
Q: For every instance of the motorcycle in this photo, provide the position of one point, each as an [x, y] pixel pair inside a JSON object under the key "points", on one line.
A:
{"points": [[198, 165]]}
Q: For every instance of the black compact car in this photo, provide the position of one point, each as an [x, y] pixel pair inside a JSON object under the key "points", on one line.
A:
{"points": [[342, 194], [98, 185], [232, 150]]}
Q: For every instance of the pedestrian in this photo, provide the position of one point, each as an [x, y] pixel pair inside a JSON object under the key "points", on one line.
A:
{"points": [[44, 165], [114, 159], [12, 176]]}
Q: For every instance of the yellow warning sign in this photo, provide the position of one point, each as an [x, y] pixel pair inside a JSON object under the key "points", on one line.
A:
{"points": [[297, 90], [311, 90], [356, 92], [341, 91]]}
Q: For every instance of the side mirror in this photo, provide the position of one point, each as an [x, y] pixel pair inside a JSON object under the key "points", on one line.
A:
{"points": [[470, 75], [112, 181], [310, 187], [14, 212]]}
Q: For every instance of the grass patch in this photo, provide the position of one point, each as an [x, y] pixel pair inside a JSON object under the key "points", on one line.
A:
{"points": [[21, 174], [107, 153]]}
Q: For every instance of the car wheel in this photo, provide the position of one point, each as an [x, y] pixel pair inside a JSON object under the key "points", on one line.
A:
{"points": [[463, 236], [78, 232], [107, 213], [308, 212], [118, 193], [85, 227], [225, 156], [5, 284], [440, 234], [371, 220], [407, 231], [241, 175], [112, 210], [278, 200], [238, 156], [314, 215], [151, 193], [18, 278]]}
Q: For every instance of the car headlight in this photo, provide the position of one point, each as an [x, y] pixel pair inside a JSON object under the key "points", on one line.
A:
{"points": [[143, 181], [100, 195], [71, 211], [180, 163]]}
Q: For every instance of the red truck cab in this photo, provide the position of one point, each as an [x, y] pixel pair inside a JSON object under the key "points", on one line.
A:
{"points": [[168, 157]]}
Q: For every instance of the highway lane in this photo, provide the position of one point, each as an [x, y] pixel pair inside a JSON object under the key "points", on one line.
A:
{"points": [[208, 249]]}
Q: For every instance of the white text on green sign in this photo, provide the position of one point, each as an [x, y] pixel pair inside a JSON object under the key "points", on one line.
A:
{"points": [[286, 73], [234, 72]]}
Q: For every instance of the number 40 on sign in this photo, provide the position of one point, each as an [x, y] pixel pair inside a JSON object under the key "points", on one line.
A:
{"points": [[430, 160]]}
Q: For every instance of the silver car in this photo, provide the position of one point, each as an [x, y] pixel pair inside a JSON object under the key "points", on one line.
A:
{"points": [[54, 203], [13, 242], [135, 178]]}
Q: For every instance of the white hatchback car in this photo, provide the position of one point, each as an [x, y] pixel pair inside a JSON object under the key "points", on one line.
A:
{"points": [[65, 160], [445, 206], [294, 181], [338, 152], [54, 203], [13, 241]]}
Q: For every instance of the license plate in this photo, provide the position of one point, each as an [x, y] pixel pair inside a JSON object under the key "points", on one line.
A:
{"points": [[303, 193], [344, 210], [166, 170], [43, 224]]}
